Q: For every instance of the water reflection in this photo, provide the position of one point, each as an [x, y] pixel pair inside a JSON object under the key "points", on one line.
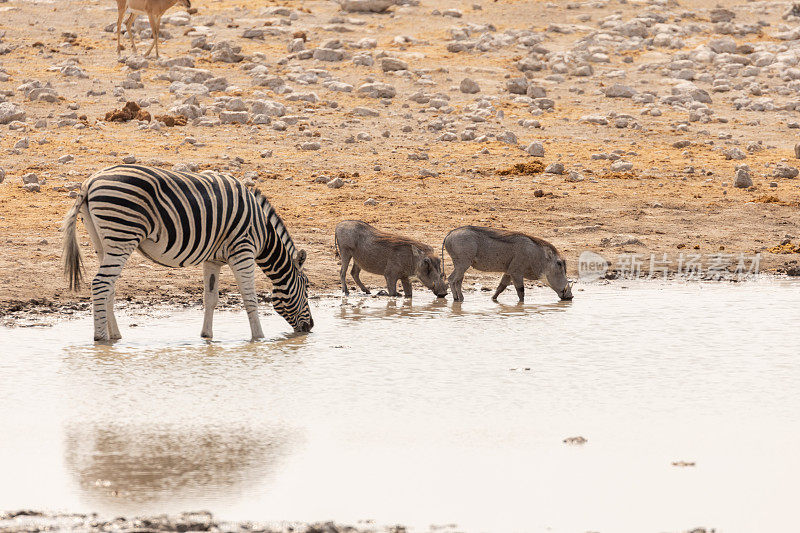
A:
{"points": [[117, 465], [359, 308]]}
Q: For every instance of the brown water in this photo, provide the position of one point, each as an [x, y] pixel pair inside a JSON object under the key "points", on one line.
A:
{"points": [[424, 413]]}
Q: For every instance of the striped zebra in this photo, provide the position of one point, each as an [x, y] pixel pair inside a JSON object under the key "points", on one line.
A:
{"points": [[178, 219]]}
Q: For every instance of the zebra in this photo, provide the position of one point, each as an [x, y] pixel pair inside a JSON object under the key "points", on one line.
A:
{"points": [[179, 219]]}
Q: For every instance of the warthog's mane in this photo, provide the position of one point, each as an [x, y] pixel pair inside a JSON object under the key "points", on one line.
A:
{"points": [[398, 240], [509, 236]]}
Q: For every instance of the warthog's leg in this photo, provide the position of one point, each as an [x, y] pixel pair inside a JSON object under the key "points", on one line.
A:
{"points": [[356, 272], [391, 284], [455, 279], [504, 282], [406, 287], [343, 271], [519, 284], [210, 296]]}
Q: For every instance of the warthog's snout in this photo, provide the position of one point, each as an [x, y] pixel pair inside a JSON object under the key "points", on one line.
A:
{"points": [[566, 294], [440, 294], [305, 326]]}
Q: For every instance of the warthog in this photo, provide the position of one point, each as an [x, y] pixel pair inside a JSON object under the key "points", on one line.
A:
{"points": [[392, 256], [517, 255]]}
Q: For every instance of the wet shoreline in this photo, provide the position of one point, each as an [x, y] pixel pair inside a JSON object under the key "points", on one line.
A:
{"points": [[43, 312], [27, 520]]}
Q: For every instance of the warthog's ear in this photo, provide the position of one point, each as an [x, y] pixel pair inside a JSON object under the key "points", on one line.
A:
{"points": [[300, 258]]}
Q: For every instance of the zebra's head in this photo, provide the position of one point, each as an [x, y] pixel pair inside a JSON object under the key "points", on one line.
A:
{"points": [[290, 299]]}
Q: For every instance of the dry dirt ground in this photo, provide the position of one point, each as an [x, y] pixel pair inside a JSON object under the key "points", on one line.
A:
{"points": [[422, 181]]}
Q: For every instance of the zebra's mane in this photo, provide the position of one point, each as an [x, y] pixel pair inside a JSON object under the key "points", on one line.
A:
{"points": [[277, 222]]}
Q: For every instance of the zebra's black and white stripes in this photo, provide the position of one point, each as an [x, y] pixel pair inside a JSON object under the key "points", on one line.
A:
{"points": [[180, 219]]}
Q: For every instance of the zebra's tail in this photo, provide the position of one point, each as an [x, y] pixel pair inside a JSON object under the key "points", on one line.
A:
{"points": [[73, 263]]}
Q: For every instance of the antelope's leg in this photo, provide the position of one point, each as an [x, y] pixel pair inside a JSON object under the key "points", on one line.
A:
{"points": [[243, 265], [356, 272], [158, 32], [343, 271], [120, 16], [154, 31], [504, 282], [129, 29], [406, 287], [210, 296]]}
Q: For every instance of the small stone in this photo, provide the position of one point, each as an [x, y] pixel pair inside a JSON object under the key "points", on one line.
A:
{"points": [[312, 145], [32, 187], [390, 64], [785, 171], [797, 151], [742, 179], [555, 168], [469, 86], [66, 159], [538, 193], [30, 178], [336, 183], [621, 166], [536, 149], [619, 91], [370, 201], [507, 137], [574, 177], [129, 159], [734, 153]]}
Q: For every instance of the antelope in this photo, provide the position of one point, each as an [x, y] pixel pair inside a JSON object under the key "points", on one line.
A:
{"points": [[154, 9]]}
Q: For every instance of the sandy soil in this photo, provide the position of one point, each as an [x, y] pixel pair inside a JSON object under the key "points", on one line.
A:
{"points": [[657, 202]]}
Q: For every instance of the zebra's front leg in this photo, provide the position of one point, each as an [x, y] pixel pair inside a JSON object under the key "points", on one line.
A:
{"points": [[113, 329], [244, 269], [210, 296]]}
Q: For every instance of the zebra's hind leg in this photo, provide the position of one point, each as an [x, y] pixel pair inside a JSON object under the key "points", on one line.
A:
{"points": [[210, 296], [103, 288], [243, 265]]}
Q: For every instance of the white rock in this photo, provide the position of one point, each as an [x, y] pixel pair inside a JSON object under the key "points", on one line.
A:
{"points": [[536, 149], [10, 112]]}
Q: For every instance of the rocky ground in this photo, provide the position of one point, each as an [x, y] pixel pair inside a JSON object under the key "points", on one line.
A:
{"points": [[636, 126], [27, 521]]}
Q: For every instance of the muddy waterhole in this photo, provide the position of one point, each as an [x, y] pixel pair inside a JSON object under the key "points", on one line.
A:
{"points": [[424, 413]]}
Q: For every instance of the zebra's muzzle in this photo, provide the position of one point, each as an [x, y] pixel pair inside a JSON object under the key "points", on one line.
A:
{"points": [[305, 326]]}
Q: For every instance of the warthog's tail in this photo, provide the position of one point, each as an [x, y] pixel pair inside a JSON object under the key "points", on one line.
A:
{"points": [[443, 256], [336, 246], [73, 263]]}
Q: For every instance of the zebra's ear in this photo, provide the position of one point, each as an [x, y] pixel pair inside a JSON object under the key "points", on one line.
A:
{"points": [[300, 258]]}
